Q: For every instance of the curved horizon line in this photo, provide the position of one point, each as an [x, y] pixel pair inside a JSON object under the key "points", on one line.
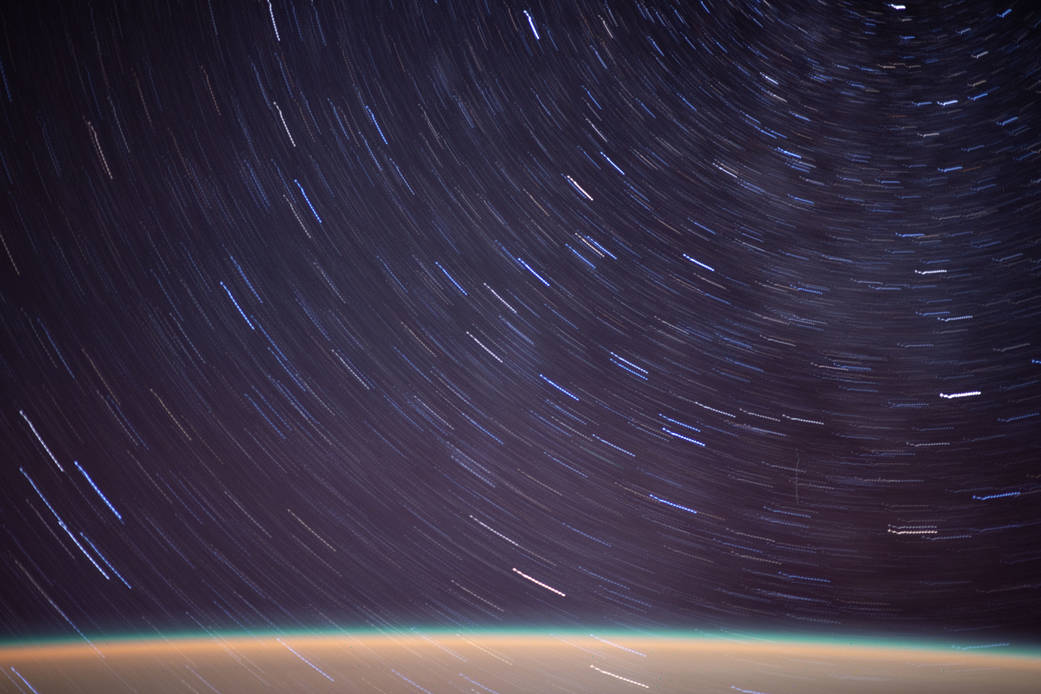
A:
{"points": [[752, 639]]}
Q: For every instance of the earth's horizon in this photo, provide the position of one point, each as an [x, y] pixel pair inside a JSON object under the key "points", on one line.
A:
{"points": [[506, 660]]}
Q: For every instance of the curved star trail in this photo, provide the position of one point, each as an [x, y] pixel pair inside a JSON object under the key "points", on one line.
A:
{"points": [[643, 314]]}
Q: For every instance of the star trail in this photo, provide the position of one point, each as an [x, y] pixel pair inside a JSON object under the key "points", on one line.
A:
{"points": [[697, 315]]}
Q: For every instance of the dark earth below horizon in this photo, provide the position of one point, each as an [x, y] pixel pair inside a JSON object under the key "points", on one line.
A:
{"points": [[505, 662]]}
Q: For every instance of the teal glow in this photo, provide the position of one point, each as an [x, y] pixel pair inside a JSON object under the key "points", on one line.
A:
{"points": [[1005, 648]]}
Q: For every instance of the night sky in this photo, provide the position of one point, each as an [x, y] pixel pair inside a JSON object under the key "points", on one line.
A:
{"points": [[655, 314]]}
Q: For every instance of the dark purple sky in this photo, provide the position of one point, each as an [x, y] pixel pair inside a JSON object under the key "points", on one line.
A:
{"points": [[440, 313]]}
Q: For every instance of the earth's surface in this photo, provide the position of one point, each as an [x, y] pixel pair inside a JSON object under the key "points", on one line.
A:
{"points": [[507, 662]]}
